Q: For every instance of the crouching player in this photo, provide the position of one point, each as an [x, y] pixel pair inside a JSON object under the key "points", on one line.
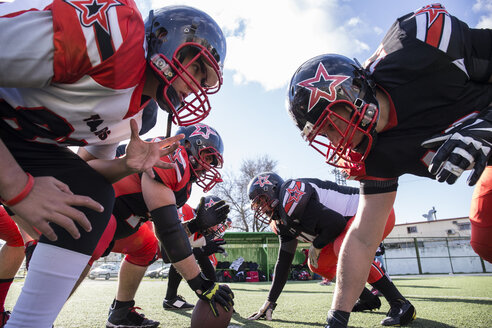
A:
{"points": [[318, 212]]}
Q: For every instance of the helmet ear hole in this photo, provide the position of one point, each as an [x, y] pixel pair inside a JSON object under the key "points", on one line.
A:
{"points": [[161, 33]]}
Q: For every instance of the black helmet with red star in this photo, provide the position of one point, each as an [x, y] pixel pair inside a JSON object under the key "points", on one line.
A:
{"points": [[323, 84], [177, 32], [205, 148], [218, 230], [263, 192]]}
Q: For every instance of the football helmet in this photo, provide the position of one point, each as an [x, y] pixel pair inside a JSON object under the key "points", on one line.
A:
{"points": [[205, 148], [218, 230], [263, 191], [174, 33], [320, 93]]}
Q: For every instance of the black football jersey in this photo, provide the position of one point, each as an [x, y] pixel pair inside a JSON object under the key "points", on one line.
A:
{"points": [[426, 64], [301, 203]]}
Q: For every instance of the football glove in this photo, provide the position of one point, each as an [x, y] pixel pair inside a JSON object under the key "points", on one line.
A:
{"points": [[213, 246], [265, 312], [313, 256], [212, 293], [208, 217], [464, 146]]}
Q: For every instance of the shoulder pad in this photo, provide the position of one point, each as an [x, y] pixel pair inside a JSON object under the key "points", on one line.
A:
{"points": [[294, 196]]}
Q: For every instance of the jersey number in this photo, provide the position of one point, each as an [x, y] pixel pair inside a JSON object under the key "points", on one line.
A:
{"points": [[42, 125]]}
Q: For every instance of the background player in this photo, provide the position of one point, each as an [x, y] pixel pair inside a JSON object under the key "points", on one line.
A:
{"points": [[320, 213], [70, 80], [426, 86]]}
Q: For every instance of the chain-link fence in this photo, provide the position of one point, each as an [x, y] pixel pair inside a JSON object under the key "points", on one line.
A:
{"points": [[432, 255]]}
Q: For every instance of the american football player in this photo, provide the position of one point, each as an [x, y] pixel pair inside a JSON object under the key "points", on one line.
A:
{"points": [[140, 198], [320, 213], [205, 244], [419, 105], [79, 74]]}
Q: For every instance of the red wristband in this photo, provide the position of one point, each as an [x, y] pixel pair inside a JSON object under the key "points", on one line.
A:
{"points": [[23, 194]]}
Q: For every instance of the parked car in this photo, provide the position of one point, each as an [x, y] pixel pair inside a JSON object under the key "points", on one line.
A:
{"points": [[105, 271], [162, 272]]}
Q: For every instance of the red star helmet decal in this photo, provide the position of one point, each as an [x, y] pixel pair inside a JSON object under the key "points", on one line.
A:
{"points": [[203, 130], [316, 94], [295, 193], [94, 11], [210, 203], [432, 11], [262, 181]]}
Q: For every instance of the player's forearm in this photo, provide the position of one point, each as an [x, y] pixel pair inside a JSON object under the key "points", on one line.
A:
{"points": [[113, 170], [281, 274], [12, 177]]}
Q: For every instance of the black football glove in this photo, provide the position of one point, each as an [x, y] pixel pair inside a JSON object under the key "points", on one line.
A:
{"points": [[212, 293], [208, 217], [265, 312], [213, 246], [464, 146]]}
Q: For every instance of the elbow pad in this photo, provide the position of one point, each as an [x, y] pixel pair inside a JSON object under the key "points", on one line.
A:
{"points": [[170, 232]]}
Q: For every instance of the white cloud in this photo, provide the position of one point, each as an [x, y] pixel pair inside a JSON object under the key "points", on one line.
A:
{"points": [[484, 7], [268, 40]]}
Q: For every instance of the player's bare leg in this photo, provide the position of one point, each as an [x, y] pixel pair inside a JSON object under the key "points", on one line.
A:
{"points": [[356, 255], [122, 311]]}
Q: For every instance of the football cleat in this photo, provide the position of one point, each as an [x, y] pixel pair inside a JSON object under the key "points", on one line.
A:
{"points": [[363, 305], [128, 317], [4, 316], [177, 303], [401, 313]]}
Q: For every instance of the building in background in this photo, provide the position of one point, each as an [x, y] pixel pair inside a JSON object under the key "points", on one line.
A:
{"points": [[457, 227]]}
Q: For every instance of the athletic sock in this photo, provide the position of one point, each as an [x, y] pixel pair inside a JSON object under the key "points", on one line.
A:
{"points": [[174, 279], [388, 289], [337, 318], [126, 304], [366, 295], [4, 289], [52, 274]]}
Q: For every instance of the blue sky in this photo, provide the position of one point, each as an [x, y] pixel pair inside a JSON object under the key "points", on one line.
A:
{"points": [[267, 41]]}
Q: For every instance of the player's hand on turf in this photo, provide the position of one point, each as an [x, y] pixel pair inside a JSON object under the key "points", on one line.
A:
{"points": [[313, 256], [214, 246], [51, 200], [212, 293], [265, 312], [142, 156], [464, 146], [208, 217]]}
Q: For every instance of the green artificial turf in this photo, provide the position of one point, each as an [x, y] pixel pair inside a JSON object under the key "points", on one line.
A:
{"points": [[440, 301]]}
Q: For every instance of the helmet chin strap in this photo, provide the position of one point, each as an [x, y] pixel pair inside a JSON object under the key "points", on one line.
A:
{"points": [[173, 97]]}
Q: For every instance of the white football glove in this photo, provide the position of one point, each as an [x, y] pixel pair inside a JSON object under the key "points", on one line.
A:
{"points": [[313, 256], [265, 312], [465, 146]]}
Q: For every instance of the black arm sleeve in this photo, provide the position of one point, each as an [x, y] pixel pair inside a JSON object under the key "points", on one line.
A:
{"points": [[329, 224], [368, 187], [170, 232], [281, 272]]}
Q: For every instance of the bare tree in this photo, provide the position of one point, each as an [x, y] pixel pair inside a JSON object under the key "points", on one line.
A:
{"points": [[234, 191]]}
